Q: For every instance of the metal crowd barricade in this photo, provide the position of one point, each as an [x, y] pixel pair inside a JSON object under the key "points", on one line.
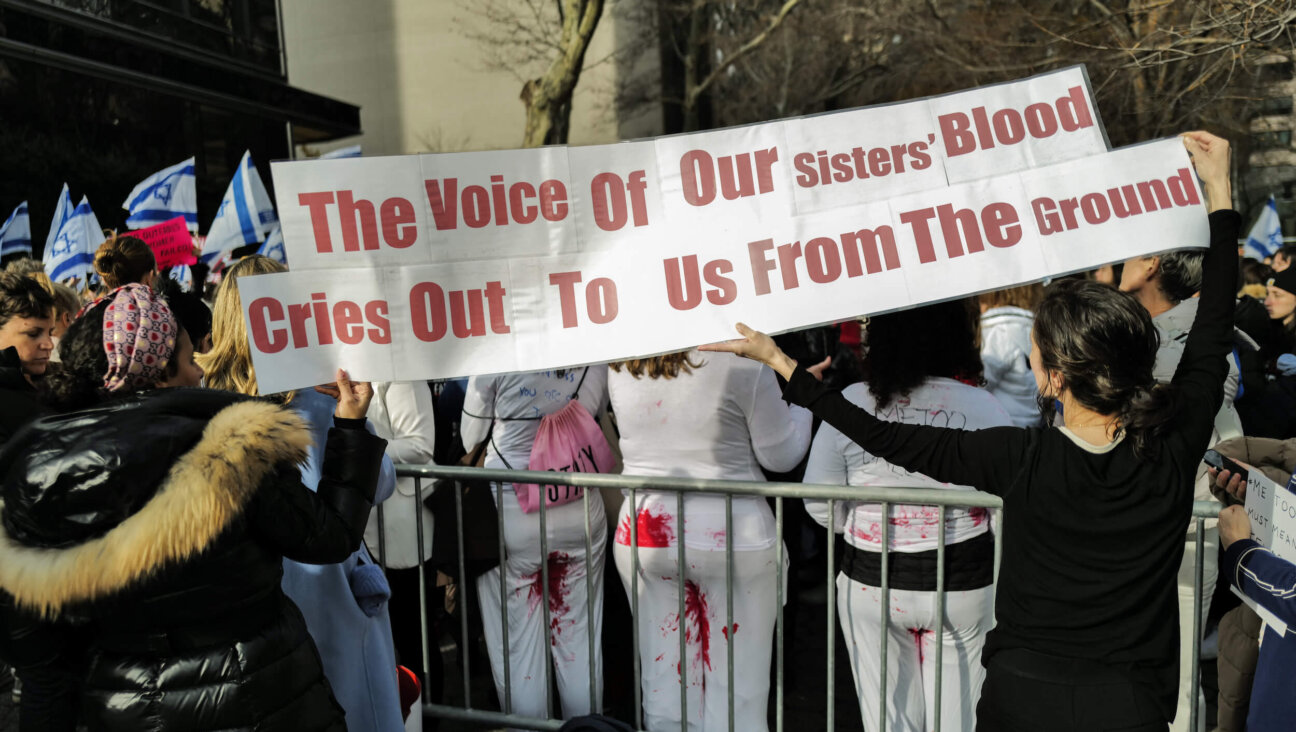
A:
{"points": [[886, 497]]}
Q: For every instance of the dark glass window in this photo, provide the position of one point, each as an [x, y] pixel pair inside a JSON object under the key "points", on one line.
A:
{"points": [[1273, 140], [1275, 105], [246, 30], [102, 138]]}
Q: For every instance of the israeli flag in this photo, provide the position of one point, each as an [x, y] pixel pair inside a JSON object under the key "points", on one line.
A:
{"points": [[73, 250], [15, 235], [183, 276], [274, 247], [352, 151], [62, 212], [1266, 236], [163, 196], [246, 215]]}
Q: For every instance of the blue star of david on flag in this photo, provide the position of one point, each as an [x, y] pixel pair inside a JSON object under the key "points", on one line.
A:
{"points": [[166, 194]]}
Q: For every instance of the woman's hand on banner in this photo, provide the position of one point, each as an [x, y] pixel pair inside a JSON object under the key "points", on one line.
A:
{"points": [[818, 369], [758, 347], [1210, 157], [352, 397]]}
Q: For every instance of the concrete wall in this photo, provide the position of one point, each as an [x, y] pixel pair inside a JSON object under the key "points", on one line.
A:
{"points": [[421, 82]]}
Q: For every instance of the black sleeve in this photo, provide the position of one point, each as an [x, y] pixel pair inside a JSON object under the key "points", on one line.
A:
{"points": [[326, 526], [1204, 364], [988, 459]]}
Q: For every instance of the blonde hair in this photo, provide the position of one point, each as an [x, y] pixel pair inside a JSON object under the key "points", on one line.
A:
{"points": [[122, 260], [66, 299], [1026, 297], [658, 367], [228, 364]]}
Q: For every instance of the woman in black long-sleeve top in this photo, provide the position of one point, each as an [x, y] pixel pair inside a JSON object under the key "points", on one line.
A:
{"points": [[1094, 511]]}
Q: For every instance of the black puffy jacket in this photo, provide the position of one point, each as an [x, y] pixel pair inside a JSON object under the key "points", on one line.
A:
{"points": [[143, 542]]}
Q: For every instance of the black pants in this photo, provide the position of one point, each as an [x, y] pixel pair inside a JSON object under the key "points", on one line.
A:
{"points": [[1026, 691]]}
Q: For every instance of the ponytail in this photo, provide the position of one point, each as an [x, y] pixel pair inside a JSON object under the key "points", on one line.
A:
{"points": [[1149, 415]]}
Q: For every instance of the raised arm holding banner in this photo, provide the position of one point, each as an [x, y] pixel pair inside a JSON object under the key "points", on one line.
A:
{"points": [[431, 266]]}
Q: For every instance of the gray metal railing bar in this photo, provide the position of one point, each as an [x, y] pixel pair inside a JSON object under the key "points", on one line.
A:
{"points": [[596, 705], [504, 619], [465, 648], [831, 681], [1195, 676], [886, 614], [634, 607], [938, 633], [730, 629], [422, 585], [495, 719], [865, 494], [683, 617], [544, 603], [778, 629]]}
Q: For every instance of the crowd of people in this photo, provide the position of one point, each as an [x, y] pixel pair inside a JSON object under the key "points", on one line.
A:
{"points": [[181, 552]]}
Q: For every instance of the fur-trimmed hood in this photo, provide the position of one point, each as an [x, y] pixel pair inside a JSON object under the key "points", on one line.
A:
{"points": [[96, 501]]}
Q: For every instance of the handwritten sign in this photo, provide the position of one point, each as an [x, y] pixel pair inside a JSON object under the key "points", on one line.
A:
{"points": [[434, 266], [170, 241], [1272, 510]]}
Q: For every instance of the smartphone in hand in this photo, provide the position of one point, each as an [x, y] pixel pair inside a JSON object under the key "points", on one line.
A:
{"points": [[1219, 462]]}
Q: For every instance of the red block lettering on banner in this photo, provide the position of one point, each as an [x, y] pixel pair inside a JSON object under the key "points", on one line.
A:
{"points": [[821, 168], [823, 258], [683, 289], [608, 196], [600, 298], [1053, 216], [346, 320], [741, 175], [503, 204], [360, 225], [962, 229], [467, 311], [983, 130]]}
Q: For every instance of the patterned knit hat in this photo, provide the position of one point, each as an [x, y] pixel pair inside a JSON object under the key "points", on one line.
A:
{"points": [[139, 337]]}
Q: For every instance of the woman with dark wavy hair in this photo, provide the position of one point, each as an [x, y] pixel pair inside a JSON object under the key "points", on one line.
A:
{"points": [[922, 367], [1094, 510]]}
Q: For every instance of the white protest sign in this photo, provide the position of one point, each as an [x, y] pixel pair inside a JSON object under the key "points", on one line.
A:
{"points": [[476, 263], [1272, 511]]}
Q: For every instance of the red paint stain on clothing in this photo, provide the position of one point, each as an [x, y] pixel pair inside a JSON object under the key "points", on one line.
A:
{"points": [[978, 515], [698, 625], [920, 637], [655, 530], [870, 535], [559, 565], [725, 631]]}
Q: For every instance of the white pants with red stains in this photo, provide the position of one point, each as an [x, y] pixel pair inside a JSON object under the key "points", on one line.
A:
{"points": [[571, 621], [706, 635], [911, 654]]}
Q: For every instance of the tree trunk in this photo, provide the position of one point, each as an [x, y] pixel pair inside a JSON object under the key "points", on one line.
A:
{"points": [[548, 98]]}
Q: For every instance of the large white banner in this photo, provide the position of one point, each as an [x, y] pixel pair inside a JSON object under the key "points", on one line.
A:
{"points": [[432, 266]]}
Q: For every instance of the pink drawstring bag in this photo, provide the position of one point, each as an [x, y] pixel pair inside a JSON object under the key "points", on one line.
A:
{"points": [[568, 441]]}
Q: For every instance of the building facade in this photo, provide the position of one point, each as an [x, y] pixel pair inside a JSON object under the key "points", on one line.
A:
{"points": [[102, 93]]}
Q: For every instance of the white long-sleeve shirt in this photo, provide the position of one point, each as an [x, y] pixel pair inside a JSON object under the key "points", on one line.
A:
{"points": [[835, 460], [725, 419], [401, 413], [516, 402]]}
